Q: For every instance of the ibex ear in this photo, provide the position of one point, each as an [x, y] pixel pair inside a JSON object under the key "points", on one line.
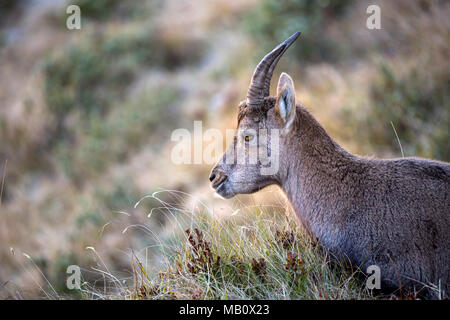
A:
{"points": [[285, 104]]}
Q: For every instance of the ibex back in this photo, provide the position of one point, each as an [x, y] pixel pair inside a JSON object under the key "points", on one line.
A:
{"points": [[390, 213]]}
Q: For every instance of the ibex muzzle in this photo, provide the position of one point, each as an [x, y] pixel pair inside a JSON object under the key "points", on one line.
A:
{"points": [[390, 213]]}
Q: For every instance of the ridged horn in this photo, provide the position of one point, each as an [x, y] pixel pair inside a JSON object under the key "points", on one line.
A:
{"points": [[260, 84]]}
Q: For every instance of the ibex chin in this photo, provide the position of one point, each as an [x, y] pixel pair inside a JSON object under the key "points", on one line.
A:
{"points": [[393, 214]]}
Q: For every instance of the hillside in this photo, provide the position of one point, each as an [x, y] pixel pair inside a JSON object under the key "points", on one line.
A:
{"points": [[86, 118]]}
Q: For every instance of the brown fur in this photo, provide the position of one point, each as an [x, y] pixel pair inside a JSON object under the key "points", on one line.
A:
{"points": [[390, 213]]}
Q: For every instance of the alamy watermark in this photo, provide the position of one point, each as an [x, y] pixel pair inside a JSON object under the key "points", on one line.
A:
{"points": [[246, 147], [374, 280], [374, 20], [73, 21]]}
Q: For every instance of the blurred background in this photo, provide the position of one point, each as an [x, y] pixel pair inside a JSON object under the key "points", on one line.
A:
{"points": [[86, 115]]}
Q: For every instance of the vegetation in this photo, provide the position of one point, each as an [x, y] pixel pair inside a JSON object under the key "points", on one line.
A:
{"points": [[238, 257], [101, 9], [110, 139], [311, 17], [88, 115], [89, 77]]}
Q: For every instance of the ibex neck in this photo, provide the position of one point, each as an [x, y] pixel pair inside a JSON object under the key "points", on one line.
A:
{"points": [[312, 174]]}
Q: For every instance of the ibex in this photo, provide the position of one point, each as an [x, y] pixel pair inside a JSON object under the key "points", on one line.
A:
{"points": [[393, 214]]}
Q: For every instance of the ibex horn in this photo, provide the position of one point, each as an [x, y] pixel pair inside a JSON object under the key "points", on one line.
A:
{"points": [[260, 84]]}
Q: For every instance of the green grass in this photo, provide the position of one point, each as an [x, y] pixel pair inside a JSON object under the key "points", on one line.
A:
{"points": [[99, 10], [92, 76], [416, 104], [254, 254], [108, 10], [94, 121], [272, 21], [111, 138]]}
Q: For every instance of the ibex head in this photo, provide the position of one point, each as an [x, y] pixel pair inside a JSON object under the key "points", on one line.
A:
{"points": [[265, 124]]}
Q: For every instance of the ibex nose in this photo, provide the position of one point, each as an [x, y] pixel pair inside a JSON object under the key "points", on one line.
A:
{"points": [[217, 177]]}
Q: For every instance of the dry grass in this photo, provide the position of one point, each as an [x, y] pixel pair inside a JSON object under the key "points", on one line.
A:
{"points": [[256, 253]]}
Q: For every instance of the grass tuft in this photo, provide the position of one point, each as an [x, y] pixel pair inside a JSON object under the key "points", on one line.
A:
{"points": [[258, 254]]}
